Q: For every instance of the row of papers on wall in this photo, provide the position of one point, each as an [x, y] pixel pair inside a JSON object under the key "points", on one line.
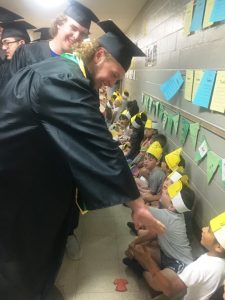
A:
{"points": [[174, 123], [204, 88], [203, 13]]}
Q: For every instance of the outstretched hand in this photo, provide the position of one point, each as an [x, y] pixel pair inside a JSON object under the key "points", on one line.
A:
{"points": [[144, 219]]}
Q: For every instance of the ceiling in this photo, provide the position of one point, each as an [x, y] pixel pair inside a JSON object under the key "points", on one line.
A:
{"points": [[123, 12]]}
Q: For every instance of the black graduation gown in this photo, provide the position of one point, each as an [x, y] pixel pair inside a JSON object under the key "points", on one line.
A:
{"points": [[52, 137], [24, 55]]}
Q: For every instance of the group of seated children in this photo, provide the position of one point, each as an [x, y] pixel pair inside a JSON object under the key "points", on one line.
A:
{"points": [[166, 261]]}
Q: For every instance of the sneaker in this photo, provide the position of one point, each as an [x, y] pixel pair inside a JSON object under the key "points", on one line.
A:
{"points": [[134, 266], [73, 248], [132, 227]]}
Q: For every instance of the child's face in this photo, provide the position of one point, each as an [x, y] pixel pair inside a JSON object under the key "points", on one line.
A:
{"points": [[124, 123], [165, 199], [164, 167], [208, 239], [148, 132], [150, 162]]}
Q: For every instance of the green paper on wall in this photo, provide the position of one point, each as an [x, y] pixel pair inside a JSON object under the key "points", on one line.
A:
{"points": [[176, 120], [150, 102], [157, 105], [212, 164], [202, 150], [161, 111], [146, 100], [222, 170], [184, 129], [164, 120], [143, 99], [194, 130], [169, 124]]}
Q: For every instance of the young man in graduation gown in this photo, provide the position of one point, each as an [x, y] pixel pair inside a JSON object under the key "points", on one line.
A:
{"points": [[53, 138], [14, 34], [73, 26]]}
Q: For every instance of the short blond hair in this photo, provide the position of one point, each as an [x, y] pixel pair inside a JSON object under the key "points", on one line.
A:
{"points": [[87, 50], [60, 20]]}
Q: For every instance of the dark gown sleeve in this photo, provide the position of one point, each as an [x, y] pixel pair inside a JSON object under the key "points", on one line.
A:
{"points": [[68, 110]]}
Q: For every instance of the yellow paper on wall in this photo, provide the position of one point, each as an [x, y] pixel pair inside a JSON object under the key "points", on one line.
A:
{"points": [[188, 84], [208, 10], [188, 16], [197, 78], [218, 98]]}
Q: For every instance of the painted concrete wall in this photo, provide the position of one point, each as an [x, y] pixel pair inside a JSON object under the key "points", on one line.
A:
{"points": [[161, 22]]}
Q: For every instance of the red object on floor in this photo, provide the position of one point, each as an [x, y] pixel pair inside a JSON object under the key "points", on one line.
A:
{"points": [[120, 284]]}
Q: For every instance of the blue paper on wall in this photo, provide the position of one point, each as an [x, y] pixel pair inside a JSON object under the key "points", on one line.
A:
{"points": [[198, 15], [218, 11], [170, 87], [205, 88]]}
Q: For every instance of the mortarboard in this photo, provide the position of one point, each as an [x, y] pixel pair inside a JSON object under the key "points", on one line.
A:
{"points": [[118, 44], [8, 16], [81, 14], [45, 34], [17, 30]]}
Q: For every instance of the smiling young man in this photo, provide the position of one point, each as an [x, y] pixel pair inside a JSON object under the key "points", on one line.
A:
{"points": [[71, 27], [54, 138]]}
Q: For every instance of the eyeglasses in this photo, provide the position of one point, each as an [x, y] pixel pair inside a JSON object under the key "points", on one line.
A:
{"points": [[6, 44]]}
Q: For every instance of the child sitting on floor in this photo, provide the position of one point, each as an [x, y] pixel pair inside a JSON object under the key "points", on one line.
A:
{"points": [[201, 278], [172, 249], [137, 124], [155, 174], [138, 161]]}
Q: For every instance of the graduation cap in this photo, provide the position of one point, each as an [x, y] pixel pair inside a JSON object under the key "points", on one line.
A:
{"points": [[8, 16], [118, 44], [44, 34], [81, 14], [17, 30]]}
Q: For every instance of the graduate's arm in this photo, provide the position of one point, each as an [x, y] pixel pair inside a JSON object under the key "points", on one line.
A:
{"points": [[149, 197], [142, 217]]}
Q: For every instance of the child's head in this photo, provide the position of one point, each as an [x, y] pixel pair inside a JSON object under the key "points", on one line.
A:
{"points": [[153, 156], [125, 94], [213, 236], [124, 118], [132, 107], [143, 117], [136, 122], [173, 161], [148, 129], [118, 101], [161, 138], [176, 196]]}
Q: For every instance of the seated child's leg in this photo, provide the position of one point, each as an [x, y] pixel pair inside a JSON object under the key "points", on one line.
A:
{"points": [[154, 284]]}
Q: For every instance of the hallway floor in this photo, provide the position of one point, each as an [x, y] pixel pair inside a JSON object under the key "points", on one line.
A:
{"points": [[104, 237]]}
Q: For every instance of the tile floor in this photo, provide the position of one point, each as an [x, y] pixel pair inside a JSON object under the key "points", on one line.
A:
{"points": [[104, 236]]}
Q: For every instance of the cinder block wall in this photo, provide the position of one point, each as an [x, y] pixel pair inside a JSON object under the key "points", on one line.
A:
{"points": [[161, 23]]}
